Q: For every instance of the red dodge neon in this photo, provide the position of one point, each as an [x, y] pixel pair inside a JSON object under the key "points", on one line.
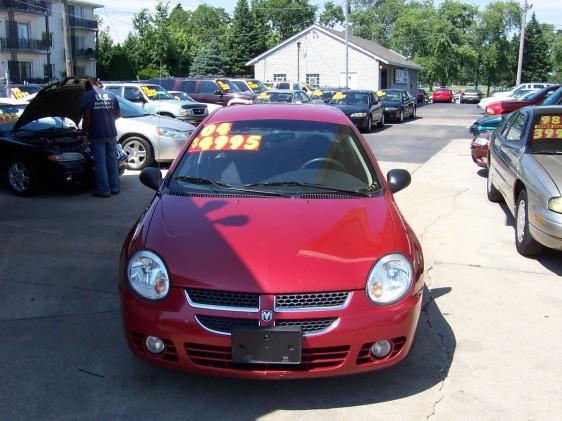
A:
{"points": [[443, 95], [273, 249]]}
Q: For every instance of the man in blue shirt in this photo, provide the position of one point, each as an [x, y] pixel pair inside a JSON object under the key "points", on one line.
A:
{"points": [[100, 109]]}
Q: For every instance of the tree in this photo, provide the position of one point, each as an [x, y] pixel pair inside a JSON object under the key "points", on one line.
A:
{"points": [[119, 65], [207, 23], [375, 19], [242, 40], [332, 15], [556, 57], [209, 61], [536, 59], [105, 47], [285, 17]]}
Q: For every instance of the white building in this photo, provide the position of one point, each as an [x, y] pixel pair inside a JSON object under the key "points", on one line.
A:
{"points": [[32, 41], [316, 56]]}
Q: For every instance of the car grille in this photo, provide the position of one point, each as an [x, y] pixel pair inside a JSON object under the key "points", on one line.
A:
{"points": [[221, 357], [225, 325], [312, 301], [169, 353], [223, 300], [364, 356], [199, 111]]}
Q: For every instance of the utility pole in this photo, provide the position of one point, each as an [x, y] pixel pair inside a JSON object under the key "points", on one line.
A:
{"points": [[346, 44], [525, 8], [67, 49], [298, 61], [49, 41]]}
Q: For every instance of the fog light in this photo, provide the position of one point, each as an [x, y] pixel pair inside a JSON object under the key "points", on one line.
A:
{"points": [[381, 349], [154, 344]]}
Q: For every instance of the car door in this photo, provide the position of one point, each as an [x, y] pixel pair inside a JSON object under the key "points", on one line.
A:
{"points": [[510, 151], [209, 91], [404, 100], [375, 107]]}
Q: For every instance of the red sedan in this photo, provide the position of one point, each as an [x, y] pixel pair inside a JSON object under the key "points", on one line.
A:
{"points": [[273, 249], [537, 98], [479, 149], [443, 95]]}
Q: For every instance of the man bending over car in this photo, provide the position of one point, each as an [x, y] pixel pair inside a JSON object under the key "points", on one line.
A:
{"points": [[100, 109]]}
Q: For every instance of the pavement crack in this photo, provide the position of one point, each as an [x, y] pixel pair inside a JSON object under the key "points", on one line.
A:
{"points": [[48, 284], [444, 372], [452, 209], [55, 316]]}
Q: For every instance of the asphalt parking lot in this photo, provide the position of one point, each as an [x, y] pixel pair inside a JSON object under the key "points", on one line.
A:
{"points": [[488, 340]]}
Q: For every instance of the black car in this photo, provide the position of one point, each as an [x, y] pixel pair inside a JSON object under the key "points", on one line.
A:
{"points": [[324, 95], [422, 96], [41, 144], [362, 107], [398, 104]]}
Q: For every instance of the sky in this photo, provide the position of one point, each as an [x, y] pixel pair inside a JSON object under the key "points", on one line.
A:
{"points": [[118, 15]]}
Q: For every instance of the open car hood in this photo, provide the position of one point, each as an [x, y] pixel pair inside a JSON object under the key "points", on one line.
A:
{"points": [[61, 99]]}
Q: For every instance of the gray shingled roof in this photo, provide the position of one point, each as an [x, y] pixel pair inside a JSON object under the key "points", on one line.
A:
{"points": [[378, 50]]}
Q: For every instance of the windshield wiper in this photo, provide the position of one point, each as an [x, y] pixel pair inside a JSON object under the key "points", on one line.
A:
{"points": [[220, 184], [305, 184]]}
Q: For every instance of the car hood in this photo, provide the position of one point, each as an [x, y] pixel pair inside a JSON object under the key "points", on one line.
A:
{"points": [[156, 121], [58, 100], [243, 95], [552, 164], [391, 103], [350, 109], [271, 245]]}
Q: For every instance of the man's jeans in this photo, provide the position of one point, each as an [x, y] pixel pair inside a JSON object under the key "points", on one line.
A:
{"points": [[105, 158]]}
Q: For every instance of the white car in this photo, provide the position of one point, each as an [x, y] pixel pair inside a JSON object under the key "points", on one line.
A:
{"points": [[295, 86], [148, 138], [511, 94]]}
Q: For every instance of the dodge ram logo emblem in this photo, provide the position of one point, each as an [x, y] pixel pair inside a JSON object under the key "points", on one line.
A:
{"points": [[267, 315]]}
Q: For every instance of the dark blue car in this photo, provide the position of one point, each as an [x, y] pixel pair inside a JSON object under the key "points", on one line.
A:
{"points": [[362, 107], [398, 104]]}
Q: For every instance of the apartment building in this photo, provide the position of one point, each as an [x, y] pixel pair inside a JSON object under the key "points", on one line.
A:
{"points": [[32, 40]]}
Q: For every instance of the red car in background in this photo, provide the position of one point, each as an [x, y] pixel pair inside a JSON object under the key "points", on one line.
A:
{"points": [[443, 95], [502, 107], [273, 249]]}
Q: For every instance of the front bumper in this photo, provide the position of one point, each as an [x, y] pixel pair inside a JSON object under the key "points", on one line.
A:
{"points": [[360, 122], [339, 351], [392, 114], [545, 226]]}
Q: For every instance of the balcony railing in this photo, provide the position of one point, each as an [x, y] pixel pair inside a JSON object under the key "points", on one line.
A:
{"points": [[39, 7], [76, 22], [84, 54], [24, 44]]}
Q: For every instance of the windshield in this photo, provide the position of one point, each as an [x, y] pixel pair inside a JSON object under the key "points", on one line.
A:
{"points": [[182, 96], [227, 85], [392, 95], [256, 86], [547, 134], [523, 93], [271, 96], [241, 85], [129, 109], [554, 99], [349, 98], [258, 152], [156, 92]]}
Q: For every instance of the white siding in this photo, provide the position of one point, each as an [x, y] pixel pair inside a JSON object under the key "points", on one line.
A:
{"points": [[322, 54]]}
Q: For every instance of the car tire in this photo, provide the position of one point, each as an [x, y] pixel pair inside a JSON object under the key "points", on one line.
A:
{"points": [[413, 116], [525, 243], [369, 128], [402, 116], [22, 177], [139, 152], [493, 194], [381, 123]]}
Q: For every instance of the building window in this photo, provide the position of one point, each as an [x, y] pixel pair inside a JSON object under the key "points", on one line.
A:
{"points": [[48, 70], [279, 77], [20, 71], [313, 79]]}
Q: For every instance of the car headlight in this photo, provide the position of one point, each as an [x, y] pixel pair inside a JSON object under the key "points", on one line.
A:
{"points": [[390, 279], [167, 132], [66, 157], [555, 204], [183, 112], [148, 275], [358, 115]]}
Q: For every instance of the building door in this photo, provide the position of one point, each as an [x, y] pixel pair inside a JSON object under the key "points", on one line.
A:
{"points": [[384, 78], [352, 81]]}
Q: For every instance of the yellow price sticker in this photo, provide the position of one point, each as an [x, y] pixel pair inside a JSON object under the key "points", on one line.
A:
{"points": [[149, 92], [253, 85], [339, 95], [316, 92], [224, 86], [263, 95]]}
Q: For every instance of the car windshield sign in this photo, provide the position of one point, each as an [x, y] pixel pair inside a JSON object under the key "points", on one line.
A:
{"points": [[547, 134], [349, 98], [155, 92], [227, 86], [276, 156], [274, 97], [392, 95]]}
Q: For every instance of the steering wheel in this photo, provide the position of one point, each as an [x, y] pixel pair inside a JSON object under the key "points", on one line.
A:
{"points": [[321, 159]]}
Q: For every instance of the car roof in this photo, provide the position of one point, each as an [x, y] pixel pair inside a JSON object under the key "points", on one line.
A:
{"points": [[394, 90], [303, 112], [357, 91], [129, 83], [546, 109], [284, 91]]}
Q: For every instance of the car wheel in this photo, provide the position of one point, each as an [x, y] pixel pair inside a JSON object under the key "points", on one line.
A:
{"points": [[493, 194], [381, 123], [22, 177], [139, 153], [402, 116], [369, 124], [525, 243], [414, 113]]}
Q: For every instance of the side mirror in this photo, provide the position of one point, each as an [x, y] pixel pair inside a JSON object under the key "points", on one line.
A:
{"points": [[218, 92], [151, 177], [398, 179]]}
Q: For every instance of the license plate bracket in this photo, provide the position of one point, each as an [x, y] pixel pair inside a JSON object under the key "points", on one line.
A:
{"points": [[270, 345]]}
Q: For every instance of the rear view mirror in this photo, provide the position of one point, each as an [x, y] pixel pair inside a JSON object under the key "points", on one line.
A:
{"points": [[151, 177], [398, 180]]}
